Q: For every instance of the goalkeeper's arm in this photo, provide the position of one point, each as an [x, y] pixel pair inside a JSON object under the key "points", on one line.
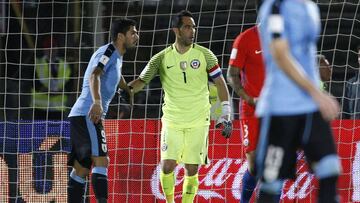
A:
{"points": [[137, 85], [223, 94], [124, 86], [134, 87]]}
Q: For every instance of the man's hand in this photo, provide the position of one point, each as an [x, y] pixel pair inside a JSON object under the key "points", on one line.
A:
{"points": [[328, 106], [224, 121], [251, 100], [129, 94], [96, 111], [226, 126]]}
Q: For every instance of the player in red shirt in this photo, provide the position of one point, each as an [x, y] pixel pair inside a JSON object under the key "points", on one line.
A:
{"points": [[246, 77]]}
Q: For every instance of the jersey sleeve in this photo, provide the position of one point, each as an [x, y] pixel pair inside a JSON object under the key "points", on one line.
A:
{"points": [[104, 60], [238, 52], [152, 68], [276, 22], [212, 65], [211, 59]]}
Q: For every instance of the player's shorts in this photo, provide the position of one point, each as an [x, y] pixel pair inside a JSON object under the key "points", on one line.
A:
{"points": [[276, 154], [87, 140], [185, 145], [249, 131]]}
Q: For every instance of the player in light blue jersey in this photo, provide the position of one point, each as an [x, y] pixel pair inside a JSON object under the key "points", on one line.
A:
{"points": [[294, 112], [88, 140]]}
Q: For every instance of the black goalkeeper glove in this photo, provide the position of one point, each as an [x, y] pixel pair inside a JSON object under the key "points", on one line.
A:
{"points": [[224, 121], [226, 128]]}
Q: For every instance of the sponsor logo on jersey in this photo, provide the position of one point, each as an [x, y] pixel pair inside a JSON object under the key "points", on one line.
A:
{"points": [[183, 65], [233, 53]]}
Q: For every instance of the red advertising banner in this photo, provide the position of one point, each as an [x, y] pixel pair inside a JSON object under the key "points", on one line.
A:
{"points": [[134, 170], [34, 154]]}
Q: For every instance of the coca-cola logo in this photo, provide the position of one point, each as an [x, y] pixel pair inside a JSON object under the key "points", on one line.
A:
{"points": [[301, 187], [224, 176], [216, 177], [227, 171]]}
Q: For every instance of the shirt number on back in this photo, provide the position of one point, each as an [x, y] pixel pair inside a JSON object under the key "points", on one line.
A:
{"points": [[273, 163]]}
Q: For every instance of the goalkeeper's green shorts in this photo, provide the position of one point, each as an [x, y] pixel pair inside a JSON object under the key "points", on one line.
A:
{"points": [[185, 145]]}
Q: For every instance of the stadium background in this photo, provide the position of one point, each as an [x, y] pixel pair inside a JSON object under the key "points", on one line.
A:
{"points": [[79, 27]]}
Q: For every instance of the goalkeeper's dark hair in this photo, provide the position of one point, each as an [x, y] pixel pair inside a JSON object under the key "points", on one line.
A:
{"points": [[121, 25], [177, 19]]}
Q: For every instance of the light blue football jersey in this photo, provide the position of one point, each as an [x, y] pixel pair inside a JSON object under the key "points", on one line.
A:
{"points": [[297, 21], [109, 81]]}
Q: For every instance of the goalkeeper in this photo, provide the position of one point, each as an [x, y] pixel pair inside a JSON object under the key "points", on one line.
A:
{"points": [[184, 68]]}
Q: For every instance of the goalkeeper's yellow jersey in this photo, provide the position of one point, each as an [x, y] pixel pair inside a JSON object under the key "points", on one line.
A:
{"points": [[184, 78]]}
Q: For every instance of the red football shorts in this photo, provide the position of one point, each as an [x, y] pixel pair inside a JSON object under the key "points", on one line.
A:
{"points": [[249, 131]]}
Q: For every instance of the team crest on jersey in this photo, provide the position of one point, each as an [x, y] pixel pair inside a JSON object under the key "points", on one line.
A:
{"points": [[164, 147], [246, 142], [195, 64]]}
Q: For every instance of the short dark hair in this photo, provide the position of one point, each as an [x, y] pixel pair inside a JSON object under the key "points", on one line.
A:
{"points": [[177, 19], [121, 25]]}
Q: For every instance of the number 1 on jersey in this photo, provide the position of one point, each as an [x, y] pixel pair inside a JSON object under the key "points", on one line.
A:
{"points": [[184, 77]]}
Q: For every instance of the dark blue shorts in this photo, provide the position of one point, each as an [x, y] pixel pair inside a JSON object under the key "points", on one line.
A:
{"points": [[282, 136], [87, 140]]}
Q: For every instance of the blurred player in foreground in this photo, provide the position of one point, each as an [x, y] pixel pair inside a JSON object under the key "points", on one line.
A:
{"points": [[295, 112], [246, 77], [88, 140], [184, 68]]}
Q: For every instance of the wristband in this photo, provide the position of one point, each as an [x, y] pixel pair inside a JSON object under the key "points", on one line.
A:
{"points": [[225, 107], [225, 103]]}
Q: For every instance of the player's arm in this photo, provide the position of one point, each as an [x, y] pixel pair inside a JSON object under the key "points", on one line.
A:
{"points": [[146, 75], [215, 73], [280, 51], [96, 109], [223, 94], [149, 72], [233, 77], [123, 84], [225, 119], [137, 85], [237, 60]]}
